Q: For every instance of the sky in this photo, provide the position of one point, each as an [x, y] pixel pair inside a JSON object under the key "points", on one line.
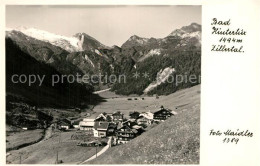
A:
{"points": [[111, 25]]}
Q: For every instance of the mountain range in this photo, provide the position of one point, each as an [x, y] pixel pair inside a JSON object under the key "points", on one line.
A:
{"points": [[177, 53]]}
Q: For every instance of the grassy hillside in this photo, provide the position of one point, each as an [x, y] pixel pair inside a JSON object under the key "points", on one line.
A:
{"points": [[16, 140], [175, 141], [45, 152]]}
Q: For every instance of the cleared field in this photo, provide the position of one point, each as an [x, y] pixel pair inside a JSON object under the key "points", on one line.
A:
{"points": [[15, 140], [175, 141], [178, 101], [45, 152]]}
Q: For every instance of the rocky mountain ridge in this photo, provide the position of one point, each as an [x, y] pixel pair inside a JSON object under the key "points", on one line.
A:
{"points": [[83, 54]]}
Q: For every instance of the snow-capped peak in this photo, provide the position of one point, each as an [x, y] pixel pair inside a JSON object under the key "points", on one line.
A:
{"points": [[193, 30], [195, 26], [193, 34], [138, 39], [177, 32], [68, 43]]}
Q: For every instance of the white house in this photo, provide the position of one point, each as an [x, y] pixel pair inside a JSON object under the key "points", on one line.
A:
{"points": [[147, 115], [75, 124], [87, 124], [100, 129], [64, 125]]}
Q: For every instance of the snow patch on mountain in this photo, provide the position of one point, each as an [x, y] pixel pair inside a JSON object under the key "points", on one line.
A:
{"points": [[98, 52], [89, 60], [68, 43], [80, 43], [150, 53], [193, 34], [112, 67], [138, 39], [162, 76], [177, 32], [193, 30], [195, 26], [183, 34], [141, 41]]}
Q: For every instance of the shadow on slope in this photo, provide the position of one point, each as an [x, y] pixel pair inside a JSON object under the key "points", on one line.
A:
{"points": [[64, 95]]}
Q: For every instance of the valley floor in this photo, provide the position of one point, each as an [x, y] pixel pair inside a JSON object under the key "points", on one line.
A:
{"points": [[179, 101], [174, 141]]}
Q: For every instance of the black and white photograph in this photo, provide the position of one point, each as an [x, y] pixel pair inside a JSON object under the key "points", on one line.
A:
{"points": [[103, 84]]}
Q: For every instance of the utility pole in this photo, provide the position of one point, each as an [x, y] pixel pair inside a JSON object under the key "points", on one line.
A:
{"points": [[57, 157], [57, 154], [60, 137], [96, 150]]}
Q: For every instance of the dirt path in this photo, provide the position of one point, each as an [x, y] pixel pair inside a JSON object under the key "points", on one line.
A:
{"points": [[48, 133], [97, 92], [100, 152]]}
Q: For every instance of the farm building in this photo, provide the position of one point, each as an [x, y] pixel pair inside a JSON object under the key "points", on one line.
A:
{"points": [[142, 120], [75, 124], [127, 132], [86, 124], [162, 114], [134, 115], [118, 116], [104, 117], [100, 129], [64, 125], [111, 129], [147, 115]]}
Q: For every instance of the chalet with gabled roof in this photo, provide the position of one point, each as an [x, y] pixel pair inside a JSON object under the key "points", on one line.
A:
{"points": [[144, 121], [147, 115], [128, 131], [100, 129], [75, 124], [118, 116], [125, 134], [134, 115], [104, 117], [63, 124], [162, 114]]}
